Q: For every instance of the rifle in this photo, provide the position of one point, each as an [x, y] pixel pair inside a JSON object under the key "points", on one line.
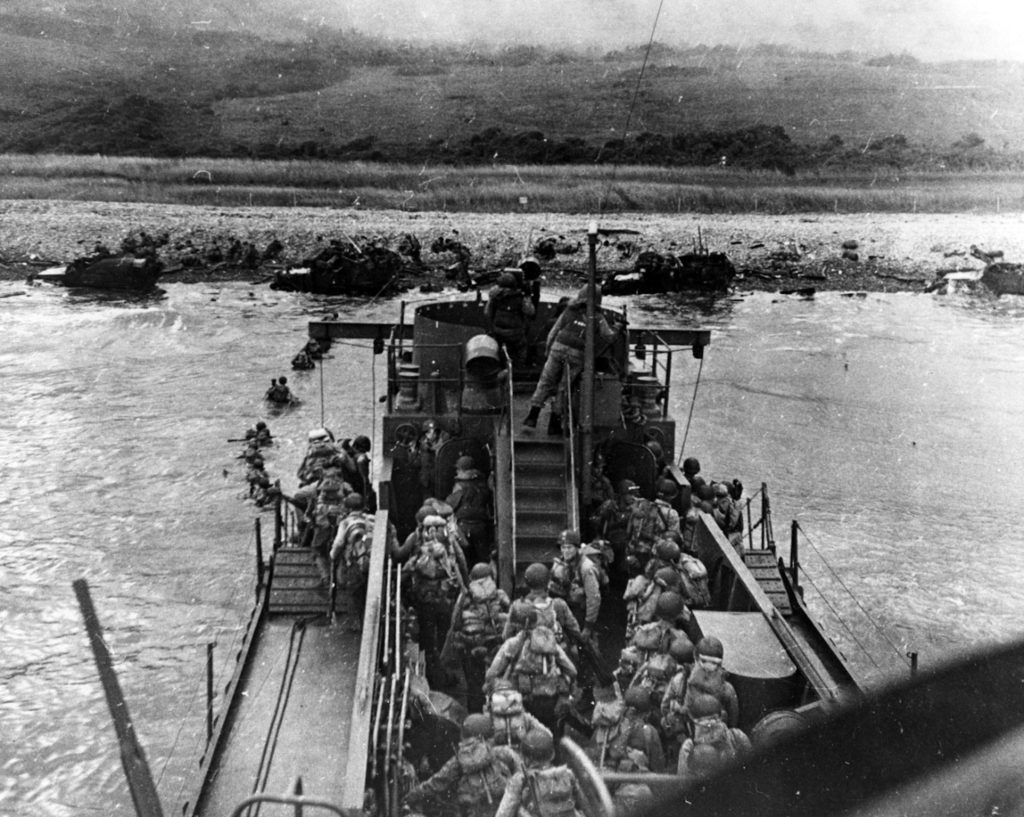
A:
{"points": [[587, 651]]}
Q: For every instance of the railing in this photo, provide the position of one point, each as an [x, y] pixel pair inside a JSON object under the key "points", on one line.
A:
{"points": [[573, 499], [395, 351], [661, 362], [764, 523], [512, 454]]}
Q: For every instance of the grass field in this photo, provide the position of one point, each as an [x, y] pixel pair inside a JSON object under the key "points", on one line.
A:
{"points": [[500, 188]]}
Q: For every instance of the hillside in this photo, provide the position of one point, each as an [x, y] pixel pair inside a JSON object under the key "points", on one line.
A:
{"points": [[202, 81]]}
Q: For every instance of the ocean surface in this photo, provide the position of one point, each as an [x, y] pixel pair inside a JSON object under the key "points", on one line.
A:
{"points": [[888, 425]]}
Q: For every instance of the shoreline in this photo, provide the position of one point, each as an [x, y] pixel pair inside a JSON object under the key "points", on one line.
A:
{"points": [[894, 252]]}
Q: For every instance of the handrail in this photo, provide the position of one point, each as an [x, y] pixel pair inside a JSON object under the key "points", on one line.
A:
{"points": [[573, 500], [512, 453]]}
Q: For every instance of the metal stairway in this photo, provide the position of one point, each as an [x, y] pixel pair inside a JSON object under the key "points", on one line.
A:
{"points": [[541, 496], [296, 589], [764, 567]]}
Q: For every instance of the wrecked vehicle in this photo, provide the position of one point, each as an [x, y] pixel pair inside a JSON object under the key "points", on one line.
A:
{"points": [[344, 269], [117, 272], [697, 271]]}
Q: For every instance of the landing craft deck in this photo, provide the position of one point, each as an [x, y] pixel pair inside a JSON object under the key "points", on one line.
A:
{"points": [[293, 713]]}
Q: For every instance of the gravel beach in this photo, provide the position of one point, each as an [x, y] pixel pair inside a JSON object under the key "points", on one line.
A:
{"points": [[885, 252]]}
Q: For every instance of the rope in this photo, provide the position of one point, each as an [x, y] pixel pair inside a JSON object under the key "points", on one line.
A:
{"points": [[842, 584], [629, 113], [824, 599], [689, 417]]}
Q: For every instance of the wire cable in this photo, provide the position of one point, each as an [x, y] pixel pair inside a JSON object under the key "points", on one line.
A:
{"points": [[689, 417], [842, 584], [629, 113]]}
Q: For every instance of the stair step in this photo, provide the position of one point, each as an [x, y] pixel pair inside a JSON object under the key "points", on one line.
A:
{"points": [[534, 550], [539, 497], [547, 479]]}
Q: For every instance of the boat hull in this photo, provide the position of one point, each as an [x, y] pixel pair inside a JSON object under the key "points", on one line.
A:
{"points": [[120, 273]]}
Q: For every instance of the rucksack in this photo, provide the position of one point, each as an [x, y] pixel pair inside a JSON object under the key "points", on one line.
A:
{"points": [[434, 576], [481, 780], [653, 638], [482, 618], [358, 546], [695, 582], [552, 792], [537, 672], [654, 675]]}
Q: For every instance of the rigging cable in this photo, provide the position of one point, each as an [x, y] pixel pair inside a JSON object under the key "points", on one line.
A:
{"points": [[842, 584], [689, 417], [277, 718], [629, 113]]}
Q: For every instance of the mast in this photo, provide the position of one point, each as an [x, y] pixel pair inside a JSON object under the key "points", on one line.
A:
{"points": [[587, 389]]}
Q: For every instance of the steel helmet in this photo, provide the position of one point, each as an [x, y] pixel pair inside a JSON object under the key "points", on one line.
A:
{"points": [[538, 745], [432, 520], [667, 488], [691, 465], [667, 550], [681, 650], [703, 705], [655, 448], [482, 570], [507, 280], [668, 577], [624, 486], [537, 576], [423, 513], [464, 463], [638, 698], [669, 605], [477, 726], [361, 443], [353, 501], [570, 537], [711, 647]]}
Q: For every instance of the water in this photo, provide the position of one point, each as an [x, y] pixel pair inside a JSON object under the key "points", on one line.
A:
{"points": [[888, 425]]}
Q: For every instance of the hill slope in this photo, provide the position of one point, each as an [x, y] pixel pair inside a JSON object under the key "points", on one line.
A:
{"points": [[83, 78]]}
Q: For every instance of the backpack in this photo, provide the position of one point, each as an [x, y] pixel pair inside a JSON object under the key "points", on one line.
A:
{"points": [[552, 792], [481, 780], [653, 638], [712, 746], [434, 576], [358, 546], [654, 675], [695, 582], [482, 618], [537, 672]]}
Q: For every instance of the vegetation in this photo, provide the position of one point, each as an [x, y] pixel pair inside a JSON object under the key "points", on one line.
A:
{"points": [[502, 188], [337, 118]]}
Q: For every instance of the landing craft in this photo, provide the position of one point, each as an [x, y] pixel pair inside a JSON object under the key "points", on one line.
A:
{"points": [[319, 713], [111, 272]]}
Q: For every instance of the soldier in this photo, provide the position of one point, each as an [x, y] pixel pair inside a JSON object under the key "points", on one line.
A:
{"points": [[538, 667], [714, 744], [279, 392], [477, 624], [728, 515], [541, 789], [612, 517], [709, 677], [552, 613], [658, 636], [642, 595], [476, 776], [435, 584], [350, 554], [508, 313], [508, 715], [576, 579], [626, 743], [651, 521], [471, 502], [564, 350]]}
